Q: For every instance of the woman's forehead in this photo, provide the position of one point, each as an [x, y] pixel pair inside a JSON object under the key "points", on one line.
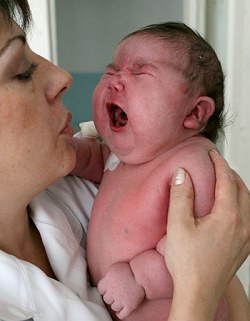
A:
{"points": [[8, 30]]}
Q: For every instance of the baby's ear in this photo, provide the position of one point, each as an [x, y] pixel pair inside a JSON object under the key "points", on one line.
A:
{"points": [[198, 118]]}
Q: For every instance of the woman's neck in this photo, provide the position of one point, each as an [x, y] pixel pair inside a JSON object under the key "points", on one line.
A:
{"points": [[14, 230], [20, 237]]}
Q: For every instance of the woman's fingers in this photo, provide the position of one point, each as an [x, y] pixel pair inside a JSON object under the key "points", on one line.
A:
{"points": [[232, 205], [181, 199], [200, 244], [226, 187], [243, 198]]}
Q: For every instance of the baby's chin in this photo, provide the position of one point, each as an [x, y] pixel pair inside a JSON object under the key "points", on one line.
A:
{"points": [[134, 157]]}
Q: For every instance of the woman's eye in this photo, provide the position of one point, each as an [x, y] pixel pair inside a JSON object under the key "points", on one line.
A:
{"points": [[27, 74]]}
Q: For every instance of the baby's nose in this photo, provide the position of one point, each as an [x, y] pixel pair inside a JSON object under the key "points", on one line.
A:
{"points": [[116, 84]]}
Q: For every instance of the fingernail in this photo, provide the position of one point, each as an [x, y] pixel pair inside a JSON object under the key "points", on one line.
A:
{"points": [[179, 177], [214, 151]]}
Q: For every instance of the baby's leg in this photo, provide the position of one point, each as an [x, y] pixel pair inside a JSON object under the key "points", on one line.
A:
{"points": [[150, 272]]}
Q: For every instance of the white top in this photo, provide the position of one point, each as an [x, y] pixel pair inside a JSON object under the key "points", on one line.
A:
{"points": [[61, 214]]}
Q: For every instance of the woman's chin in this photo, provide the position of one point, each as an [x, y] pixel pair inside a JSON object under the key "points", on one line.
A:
{"points": [[67, 164], [70, 164]]}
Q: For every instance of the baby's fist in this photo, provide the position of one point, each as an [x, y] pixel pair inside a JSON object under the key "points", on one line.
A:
{"points": [[120, 290]]}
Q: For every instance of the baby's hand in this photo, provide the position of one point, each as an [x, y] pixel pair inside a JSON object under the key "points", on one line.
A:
{"points": [[120, 290]]}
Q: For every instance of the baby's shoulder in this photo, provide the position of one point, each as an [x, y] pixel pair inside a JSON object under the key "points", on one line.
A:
{"points": [[198, 144], [192, 154], [194, 157], [194, 148]]}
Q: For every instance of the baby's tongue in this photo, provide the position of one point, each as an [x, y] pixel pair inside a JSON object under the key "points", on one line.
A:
{"points": [[121, 118]]}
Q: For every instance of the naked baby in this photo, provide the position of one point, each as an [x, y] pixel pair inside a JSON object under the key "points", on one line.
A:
{"points": [[158, 106]]}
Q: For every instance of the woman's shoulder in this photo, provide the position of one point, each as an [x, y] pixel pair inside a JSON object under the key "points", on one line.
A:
{"points": [[75, 193], [69, 197]]}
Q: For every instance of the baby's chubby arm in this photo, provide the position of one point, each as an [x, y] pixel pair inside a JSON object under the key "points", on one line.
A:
{"points": [[120, 290], [90, 153], [126, 285]]}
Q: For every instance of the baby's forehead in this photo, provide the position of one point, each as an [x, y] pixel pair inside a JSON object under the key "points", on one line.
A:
{"points": [[134, 42], [144, 49]]}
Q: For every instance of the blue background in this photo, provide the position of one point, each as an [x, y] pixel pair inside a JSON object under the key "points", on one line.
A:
{"points": [[78, 99]]}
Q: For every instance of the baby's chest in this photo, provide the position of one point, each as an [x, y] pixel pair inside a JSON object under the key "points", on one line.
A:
{"points": [[132, 205]]}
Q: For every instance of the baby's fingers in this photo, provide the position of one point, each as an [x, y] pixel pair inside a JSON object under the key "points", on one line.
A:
{"points": [[124, 313], [101, 286]]}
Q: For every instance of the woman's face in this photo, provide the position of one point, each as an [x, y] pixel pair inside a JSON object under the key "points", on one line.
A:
{"points": [[35, 136]]}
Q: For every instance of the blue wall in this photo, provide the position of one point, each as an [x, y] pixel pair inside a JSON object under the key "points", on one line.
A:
{"points": [[78, 99]]}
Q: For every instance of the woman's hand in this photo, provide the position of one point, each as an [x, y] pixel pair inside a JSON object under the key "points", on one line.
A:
{"points": [[204, 254]]}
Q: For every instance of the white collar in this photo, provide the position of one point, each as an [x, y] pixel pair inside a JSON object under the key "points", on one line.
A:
{"points": [[20, 297], [13, 305], [61, 234], [112, 162]]}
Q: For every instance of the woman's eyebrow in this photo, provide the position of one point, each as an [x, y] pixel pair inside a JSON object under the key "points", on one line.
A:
{"points": [[9, 41]]}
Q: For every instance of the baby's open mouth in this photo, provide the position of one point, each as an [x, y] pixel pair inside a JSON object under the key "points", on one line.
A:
{"points": [[118, 116]]}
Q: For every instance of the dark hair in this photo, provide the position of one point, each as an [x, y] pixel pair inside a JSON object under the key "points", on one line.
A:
{"points": [[17, 10], [199, 64]]}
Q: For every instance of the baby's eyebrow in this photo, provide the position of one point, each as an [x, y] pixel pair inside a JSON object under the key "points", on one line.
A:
{"points": [[136, 66], [141, 65], [112, 66]]}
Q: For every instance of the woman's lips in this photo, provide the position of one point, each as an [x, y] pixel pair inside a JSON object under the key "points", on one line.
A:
{"points": [[67, 128]]}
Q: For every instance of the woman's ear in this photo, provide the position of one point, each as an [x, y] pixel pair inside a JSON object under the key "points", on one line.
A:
{"points": [[198, 118]]}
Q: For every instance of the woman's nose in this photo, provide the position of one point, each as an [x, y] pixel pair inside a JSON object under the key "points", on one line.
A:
{"points": [[58, 82], [116, 83]]}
